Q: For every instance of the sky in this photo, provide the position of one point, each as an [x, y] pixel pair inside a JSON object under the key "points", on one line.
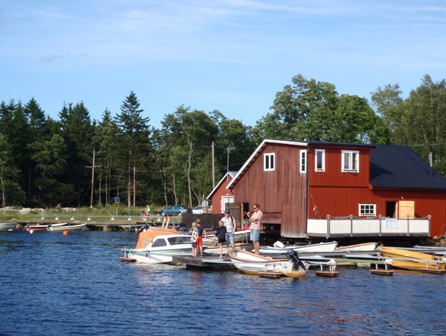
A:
{"points": [[227, 55]]}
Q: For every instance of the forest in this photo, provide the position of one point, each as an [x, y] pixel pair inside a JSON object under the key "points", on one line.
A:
{"points": [[78, 161]]}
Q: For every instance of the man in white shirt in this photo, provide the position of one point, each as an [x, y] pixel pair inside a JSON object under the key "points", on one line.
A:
{"points": [[230, 227]]}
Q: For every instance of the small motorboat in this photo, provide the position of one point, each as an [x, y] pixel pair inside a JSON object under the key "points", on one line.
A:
{"points": [[280, 248], [250, 263], [8, 226], [66, 227], [158, 245]]}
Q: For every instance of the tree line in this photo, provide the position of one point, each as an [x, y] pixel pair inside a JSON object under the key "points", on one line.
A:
{"points": [[79, 161]]}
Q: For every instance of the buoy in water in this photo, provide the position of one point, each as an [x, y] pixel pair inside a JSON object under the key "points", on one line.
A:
{"points": [[65, 232]]}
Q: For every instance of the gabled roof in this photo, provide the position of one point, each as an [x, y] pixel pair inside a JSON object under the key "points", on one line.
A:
{"points": [[394, 166], [223, 179], [256, 153]]}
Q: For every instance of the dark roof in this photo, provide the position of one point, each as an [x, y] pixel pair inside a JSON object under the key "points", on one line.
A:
{"points": [[393, 166]]}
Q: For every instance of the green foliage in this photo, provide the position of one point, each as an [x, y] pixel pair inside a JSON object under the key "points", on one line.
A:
{"points": [[46, 163], [311, 110]]}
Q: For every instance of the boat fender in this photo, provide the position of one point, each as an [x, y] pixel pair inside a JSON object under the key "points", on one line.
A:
{"points": [[293, 257]]}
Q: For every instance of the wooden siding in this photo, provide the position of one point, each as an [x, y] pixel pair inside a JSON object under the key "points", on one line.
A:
{"points": [[341, 202], [333, 175], [219, 193], [281, 193]]}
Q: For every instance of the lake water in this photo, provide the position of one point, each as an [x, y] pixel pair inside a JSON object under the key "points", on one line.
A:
{"points": [[53, 284]]}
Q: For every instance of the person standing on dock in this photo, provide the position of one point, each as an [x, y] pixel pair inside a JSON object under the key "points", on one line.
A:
{"points": [[221, 236], [194, 238], [256, 222], [230, 227], [201, 232]]}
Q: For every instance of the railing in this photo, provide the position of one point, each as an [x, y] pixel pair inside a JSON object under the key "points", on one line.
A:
{"points": [[356, 227]]}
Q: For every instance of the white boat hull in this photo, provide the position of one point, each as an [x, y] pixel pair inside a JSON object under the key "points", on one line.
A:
{"points": [[156, 256], [321, 247], [7, 226], [65, 227], [250, 263], [364, 247]]}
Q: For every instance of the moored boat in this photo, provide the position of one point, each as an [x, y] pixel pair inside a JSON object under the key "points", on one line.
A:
{"points": [[41, 227], [8, 226], [254, 264], [66, 227], [279, 248], [157, 245], [363, 247], [413, 260]]}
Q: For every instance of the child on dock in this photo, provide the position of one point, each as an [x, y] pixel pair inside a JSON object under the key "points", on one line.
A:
{"points": [[221, 235]]}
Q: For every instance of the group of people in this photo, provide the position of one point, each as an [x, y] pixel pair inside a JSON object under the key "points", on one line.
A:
{"points": [[225, 231]]}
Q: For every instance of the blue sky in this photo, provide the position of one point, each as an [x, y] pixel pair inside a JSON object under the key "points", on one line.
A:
{"points": [[229, 55]]}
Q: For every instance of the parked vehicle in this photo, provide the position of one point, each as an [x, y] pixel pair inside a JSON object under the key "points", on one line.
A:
{"points": [[198, 210], [174, 210]]}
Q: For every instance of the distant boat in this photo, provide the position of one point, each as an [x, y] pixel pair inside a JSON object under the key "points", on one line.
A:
{"points": [[66, 227], [279, 248], [7, 226], [156, 245], [414, 261], [41, 227], [250, 263]]}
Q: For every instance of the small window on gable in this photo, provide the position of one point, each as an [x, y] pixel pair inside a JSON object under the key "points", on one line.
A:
{"points": [[303, 161], [268, 162], [350, 161], [367, 209], [319, 160]]}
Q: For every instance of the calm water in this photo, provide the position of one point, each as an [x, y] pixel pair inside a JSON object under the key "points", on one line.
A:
{"points": [[76, 285]]}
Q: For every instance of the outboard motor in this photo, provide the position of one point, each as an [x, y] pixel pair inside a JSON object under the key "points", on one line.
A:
{"points": [[292, 256]]}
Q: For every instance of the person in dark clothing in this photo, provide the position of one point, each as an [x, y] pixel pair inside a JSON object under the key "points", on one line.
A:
{"points": [[221, 235]]}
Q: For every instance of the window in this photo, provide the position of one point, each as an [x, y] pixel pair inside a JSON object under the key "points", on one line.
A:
{"points": [[303, 161], [225, 200], [367, 209], [268, 162], [350, 161], [159, 242], [319, 163]]}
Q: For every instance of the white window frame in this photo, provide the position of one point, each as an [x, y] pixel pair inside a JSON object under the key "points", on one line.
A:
{"points": [[269, 161], [225, 200], [303, 161], [322, 153], [366, 210], [351, 160]]}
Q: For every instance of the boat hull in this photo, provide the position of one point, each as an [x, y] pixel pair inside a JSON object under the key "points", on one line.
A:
{"points": [[364, 247], [412, 260], [250, 263], [156, 256], [321, 247], [74, 227], [7, 226]]}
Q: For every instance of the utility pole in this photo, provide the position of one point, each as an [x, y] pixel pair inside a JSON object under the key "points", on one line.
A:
{"points": [[213, 165], [92, 178], [230, 148]]}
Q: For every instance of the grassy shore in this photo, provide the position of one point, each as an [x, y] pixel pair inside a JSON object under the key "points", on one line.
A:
{"points": [[103, 214]]}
